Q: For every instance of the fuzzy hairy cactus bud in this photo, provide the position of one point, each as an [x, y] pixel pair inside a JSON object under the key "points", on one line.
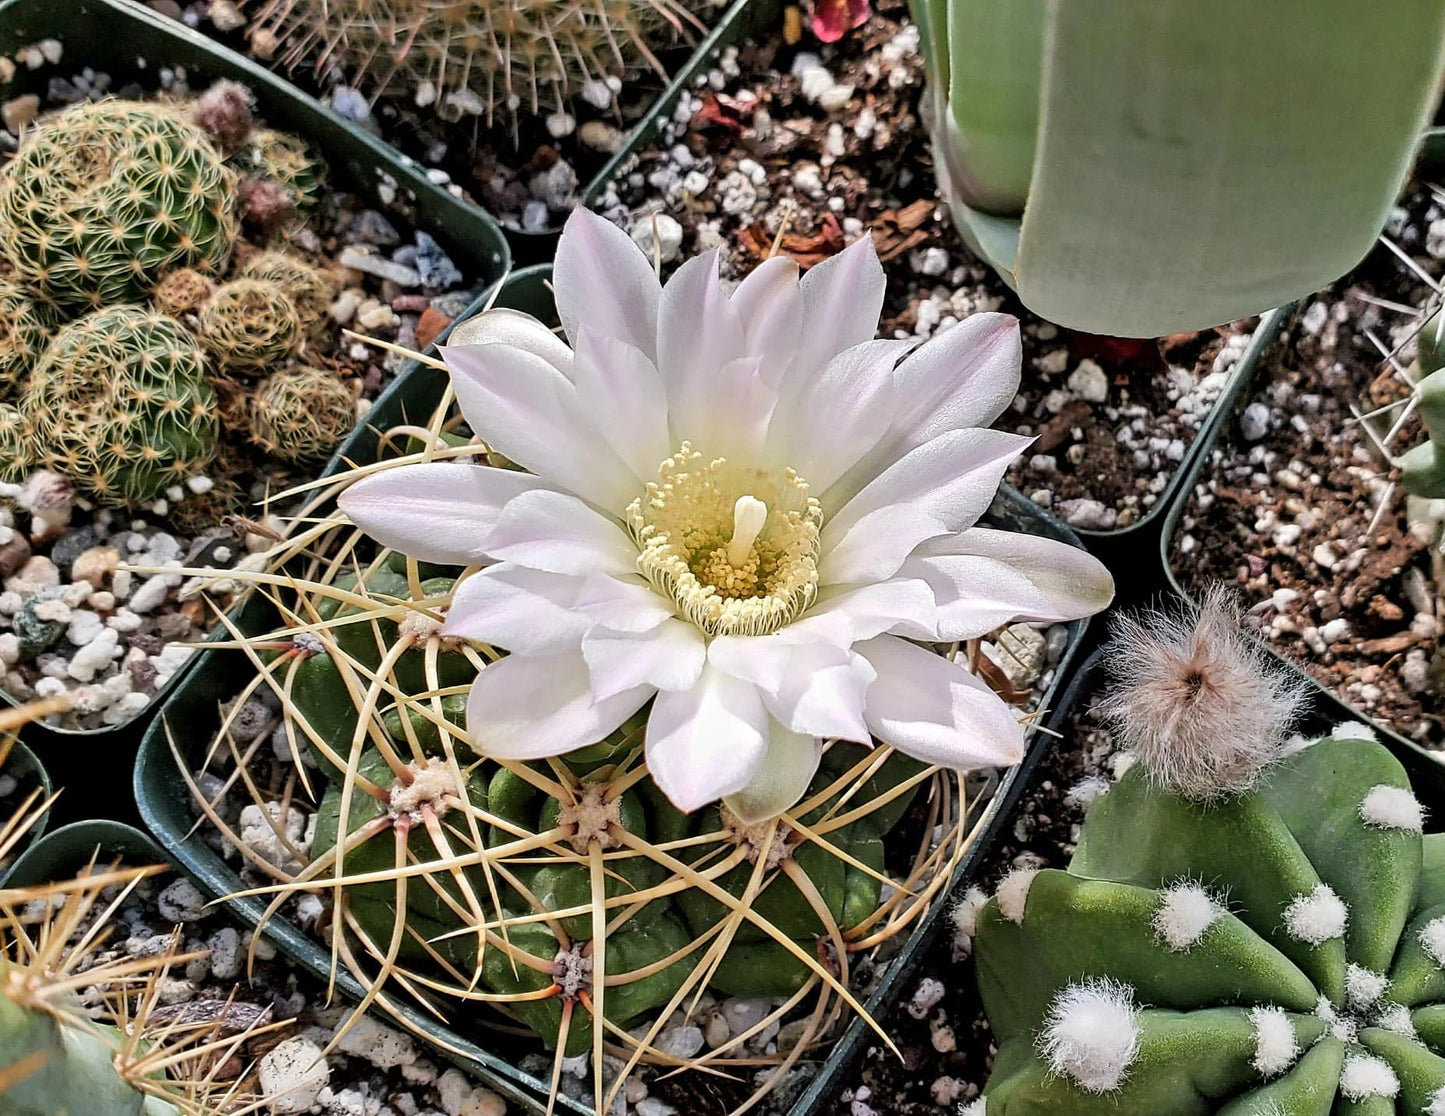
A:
{"points": [[1276, 948], [301, 414], [1198, 700], [120, 405], [224, 111], [249, 325], [105, 198], [277, 157], [266, 206]]}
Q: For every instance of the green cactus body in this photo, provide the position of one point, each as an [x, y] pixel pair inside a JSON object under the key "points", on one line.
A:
{"points": [[1277, 951], [120, 405], [1422, 469], [284, 159], [249, 325], [309, 288], [77, 1074], [25, 328], [16, 447], [105, 198], [301, 414]]}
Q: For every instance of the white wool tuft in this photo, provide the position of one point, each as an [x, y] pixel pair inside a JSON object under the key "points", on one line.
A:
{"points": [[1275, 1046], [1013, 893], [1353, 730], [1087, 789], [1121, 763], [1396, 1018], [1316, 917], [1435, 1106], [1185, 912], [977, 1108], [1091, 1034], [1387, 807], [1342, 1027], [1363, 987], [1202, 703], [1297, 743], [1432, 939], [1365, 1075], [965, 911]]}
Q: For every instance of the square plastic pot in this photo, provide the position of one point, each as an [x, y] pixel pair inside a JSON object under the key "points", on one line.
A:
{"points": [[29, 773], [190, 716], [131, 43]]}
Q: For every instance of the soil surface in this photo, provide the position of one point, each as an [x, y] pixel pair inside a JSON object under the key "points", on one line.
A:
{"points": [[1298, 505]]}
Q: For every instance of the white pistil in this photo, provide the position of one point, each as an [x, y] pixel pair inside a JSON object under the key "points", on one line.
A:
{"points": [[749, 515]]}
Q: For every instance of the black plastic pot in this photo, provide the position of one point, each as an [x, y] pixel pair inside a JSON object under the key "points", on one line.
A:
{"points": [[740, 21], [63, 852], [1326, 702], [191, 715], [29, 773], [131, 43]]}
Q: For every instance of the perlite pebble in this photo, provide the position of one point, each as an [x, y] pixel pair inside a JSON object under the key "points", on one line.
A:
{"points": [[293, 1073]]}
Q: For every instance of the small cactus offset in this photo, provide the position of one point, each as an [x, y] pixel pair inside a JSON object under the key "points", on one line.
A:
{"points": [[310, 289], [248, 325], [301, 414], [1267, 940], [502, 57], [105, 198], [120, 405], [277, 157]]}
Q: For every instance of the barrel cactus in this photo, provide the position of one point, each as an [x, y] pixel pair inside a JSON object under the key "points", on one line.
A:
{"points": [[301, 414], [1248, 925], [120, 405], [105, 198], [248, 325]]}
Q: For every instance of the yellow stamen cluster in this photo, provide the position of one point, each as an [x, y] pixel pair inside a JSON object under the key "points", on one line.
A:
{"points": [[736, 548]]}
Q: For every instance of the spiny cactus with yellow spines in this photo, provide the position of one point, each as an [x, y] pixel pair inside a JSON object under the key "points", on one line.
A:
{"points": [[310, 288], [16, 453], [284, 159], [248, 325], [24, 329], [301, 414], [105, 198], [527, 55], [121, 406]]}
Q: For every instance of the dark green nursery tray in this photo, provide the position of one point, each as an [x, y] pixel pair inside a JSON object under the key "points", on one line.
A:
{"points": [[131, 43], [27, 770], [191, 714], [62, 853]]}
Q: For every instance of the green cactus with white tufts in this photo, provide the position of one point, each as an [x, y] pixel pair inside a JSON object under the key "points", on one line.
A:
{"points": [[1248, 926], [120, 405], [107, 197]]}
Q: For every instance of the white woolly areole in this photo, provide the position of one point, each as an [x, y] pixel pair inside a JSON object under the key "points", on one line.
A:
{"points": [[1396, 1018], [965, 911], [1091, 1034], [1122, 762], [1275, 1046], [1316, 917], [977, 1108], [1013, 893], [1432, 939], [1342, 1027], [1087, 789], [1387, 807], [1185, 912], [1365, 1075], [1363, 987], [1353, 730], [1435, 1106]]}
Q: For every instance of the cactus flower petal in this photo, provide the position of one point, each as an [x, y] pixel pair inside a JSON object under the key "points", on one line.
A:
{"points": [[736, 505]]}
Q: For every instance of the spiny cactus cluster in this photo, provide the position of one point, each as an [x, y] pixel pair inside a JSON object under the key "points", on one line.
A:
{"points": [[277, 157], [249, 325], [1273, 942], [310, 289], [25, 327], [105, 198], [501, 56], [120, 404], [301, 414]]}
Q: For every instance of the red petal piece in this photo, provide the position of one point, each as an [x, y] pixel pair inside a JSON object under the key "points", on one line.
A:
{"points": [[832, 19]]}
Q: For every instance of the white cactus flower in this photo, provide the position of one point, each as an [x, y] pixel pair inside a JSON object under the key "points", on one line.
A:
{"points": [[743, 509]]}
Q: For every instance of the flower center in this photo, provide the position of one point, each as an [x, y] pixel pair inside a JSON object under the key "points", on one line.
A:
{"points": [[736, 548]]}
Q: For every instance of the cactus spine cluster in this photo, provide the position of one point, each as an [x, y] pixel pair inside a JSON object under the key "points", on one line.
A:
{"points": [[301, 414], [503, 56], [310, 289], [1270, 945], [120, 405], [24, 328], [105, 198], [277, 157], [248, 325]]}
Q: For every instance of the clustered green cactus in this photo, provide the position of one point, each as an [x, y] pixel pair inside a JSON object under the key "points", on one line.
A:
{"points": [[310, 289], [526, 876], [249, 325], [283, 159], [1274, 944], [105, 198], [519, 54], [301, 414], [24, 329], [120, 404]]}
